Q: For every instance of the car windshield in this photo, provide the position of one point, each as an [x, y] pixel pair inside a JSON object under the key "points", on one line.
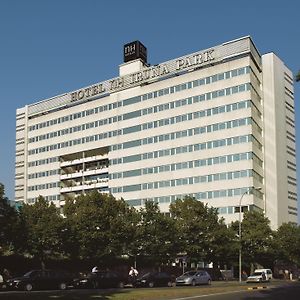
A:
{"points": [[146, 275], [190, 273], [30, 274]]}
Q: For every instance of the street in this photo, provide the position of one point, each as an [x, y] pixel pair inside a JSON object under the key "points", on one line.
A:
{"points": [[277, 290]]}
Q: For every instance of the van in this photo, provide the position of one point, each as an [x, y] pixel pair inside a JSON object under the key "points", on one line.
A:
{"points": [[268, 272]]}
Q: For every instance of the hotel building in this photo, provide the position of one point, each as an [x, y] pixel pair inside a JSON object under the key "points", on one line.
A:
{"points": [[218, 125]]}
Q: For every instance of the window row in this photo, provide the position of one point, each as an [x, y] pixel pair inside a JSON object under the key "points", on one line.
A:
{"points": [[188, 148], [188, 181], [146, 141], [155, 109], [159, 93], [44, 174], [185, 165], [47, 198], [43, 186], [184, 133], [45, 161], [199, 196]]}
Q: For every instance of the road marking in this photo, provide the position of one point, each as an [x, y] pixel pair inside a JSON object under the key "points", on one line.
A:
{"points": [[208, 295]]}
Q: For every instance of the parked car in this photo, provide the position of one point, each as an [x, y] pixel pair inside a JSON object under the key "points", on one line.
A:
{"points": [[268, 273], [2, 283], [193, 278], [103, 279], [41, 280], [257, 276], [152, 279]]}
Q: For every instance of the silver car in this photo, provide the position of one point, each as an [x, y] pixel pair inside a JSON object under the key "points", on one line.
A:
{"points": [[193, 278]]}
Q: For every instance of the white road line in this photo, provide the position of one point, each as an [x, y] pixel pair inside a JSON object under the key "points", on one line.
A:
{"points": [[208, 295]]}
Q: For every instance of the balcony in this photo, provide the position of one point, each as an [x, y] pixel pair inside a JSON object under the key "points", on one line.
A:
{"points": [[87, 185]]}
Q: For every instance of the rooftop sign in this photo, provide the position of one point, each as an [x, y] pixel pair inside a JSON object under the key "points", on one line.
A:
{"points": [[147, 74], [195, 60], [135, 50]]}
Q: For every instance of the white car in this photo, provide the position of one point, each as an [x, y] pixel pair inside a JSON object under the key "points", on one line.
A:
{"points": [[258, 276], [268, 273]]}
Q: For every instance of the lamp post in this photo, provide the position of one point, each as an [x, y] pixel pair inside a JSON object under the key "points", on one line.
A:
{"points": [[240, 229]]}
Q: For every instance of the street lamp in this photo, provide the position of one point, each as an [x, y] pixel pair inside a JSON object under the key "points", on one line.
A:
{"points": [[240, 228]]}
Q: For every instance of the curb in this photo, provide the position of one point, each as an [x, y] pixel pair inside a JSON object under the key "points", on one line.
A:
{"points": [[257, 288]]}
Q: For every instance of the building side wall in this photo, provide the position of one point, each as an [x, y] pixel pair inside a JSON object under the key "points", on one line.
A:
{"points": [[278, 111]]}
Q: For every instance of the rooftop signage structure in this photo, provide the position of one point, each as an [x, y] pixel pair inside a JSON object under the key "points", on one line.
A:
{"points": [[135, 50]]}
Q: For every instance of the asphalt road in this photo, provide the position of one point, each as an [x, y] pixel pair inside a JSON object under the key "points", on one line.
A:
{"points": [[275, 291]]}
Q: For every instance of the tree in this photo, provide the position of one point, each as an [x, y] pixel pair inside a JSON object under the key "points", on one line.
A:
{"points": [[224, 246], [199, 230], [156, 235], [256, 239], [287, 243], [43, 226], [9, 224], [101, 226]]}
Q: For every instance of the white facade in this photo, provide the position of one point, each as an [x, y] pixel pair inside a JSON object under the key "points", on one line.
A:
{"points": [[213, 125]]}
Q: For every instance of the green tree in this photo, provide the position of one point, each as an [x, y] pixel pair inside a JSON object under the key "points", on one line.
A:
{"points": [[43, 227], [156, 235], [257, 239], [224, 246], [199, 229], [287, 243], [100, 225], [9, 224]]}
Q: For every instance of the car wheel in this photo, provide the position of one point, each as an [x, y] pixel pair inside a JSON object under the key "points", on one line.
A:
{"points": [[62, 286], [193, 283], [121, 285], [28, 287], [151, 284], [209, 282]]}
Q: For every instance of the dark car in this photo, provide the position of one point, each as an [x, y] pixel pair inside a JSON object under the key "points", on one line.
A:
{"points": [[152, 279], [105, 279], [41, 280]]}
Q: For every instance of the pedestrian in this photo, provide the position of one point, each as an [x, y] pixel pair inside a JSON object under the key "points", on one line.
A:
{"points": [[263, 276], [286, 274], [291, 275], [6, 275], [95, 269], [244, 275], [133, 273]]}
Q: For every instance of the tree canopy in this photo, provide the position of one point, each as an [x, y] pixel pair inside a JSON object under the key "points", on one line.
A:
{"points": [[43, 226], [256, 238], [99, 227], [9, 224], [287, 243], [155, 235], [199, 230]]}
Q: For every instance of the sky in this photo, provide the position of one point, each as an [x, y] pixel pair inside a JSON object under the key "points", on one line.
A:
{"points": [[55, 46]]}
